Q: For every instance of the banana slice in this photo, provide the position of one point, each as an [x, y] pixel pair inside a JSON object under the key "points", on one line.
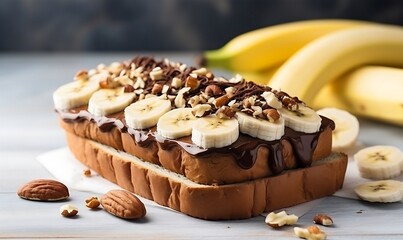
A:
{"points": [[260, 128], [108, 101], [379, 162], [345, 134], [304, 119], [145, 113], [74, 94], [176, 123], [211, 131], [384, 191]]}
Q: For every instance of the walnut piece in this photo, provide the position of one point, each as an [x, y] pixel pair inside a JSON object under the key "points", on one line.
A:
{"points": [[310, 233], [68, 210], [277, 220]]}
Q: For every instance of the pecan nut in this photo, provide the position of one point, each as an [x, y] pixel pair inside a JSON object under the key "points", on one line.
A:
{"points": [[44, 190], [123, 204]]}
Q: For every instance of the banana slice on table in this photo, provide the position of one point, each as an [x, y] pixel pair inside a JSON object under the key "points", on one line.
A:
{"points": [[74, 94], [345, 134], [211, 131], [260, 128], [176, 123], [304, 119], [108, 101], [379, 162], [145, 113], [384, 191]]}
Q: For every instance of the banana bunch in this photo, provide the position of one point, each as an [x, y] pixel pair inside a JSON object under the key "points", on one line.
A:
{"points": [[352, 65]]}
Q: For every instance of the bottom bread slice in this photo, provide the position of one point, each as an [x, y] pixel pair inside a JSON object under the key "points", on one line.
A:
{"points": [[232, 201]]}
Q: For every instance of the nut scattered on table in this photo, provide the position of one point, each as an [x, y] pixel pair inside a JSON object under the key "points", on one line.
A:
{"points": [[277, 220], [123, 204], [68, 210], [87, 172], [310, 233], [44, 190], [92, 202], [323, 219]]}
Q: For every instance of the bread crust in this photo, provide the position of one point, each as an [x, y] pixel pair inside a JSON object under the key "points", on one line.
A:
{"points": [[231, 201], [214, 168]]}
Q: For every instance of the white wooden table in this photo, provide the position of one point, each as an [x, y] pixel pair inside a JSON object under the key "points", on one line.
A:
{"points": [[28, 127]]}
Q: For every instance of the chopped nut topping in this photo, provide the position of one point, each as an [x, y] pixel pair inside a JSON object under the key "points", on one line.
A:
{"points": [[225, 112], [81, 75], [201, 110], [200, 71], [290, 103], [213, 90], [193, 101], [192, 82], [238, 78], [156, 74], [221, 101], [139, 83], [257, 111], [157, 88], [272, 100], [180, 101], [128, 88], [271, 114], [176, 82]]}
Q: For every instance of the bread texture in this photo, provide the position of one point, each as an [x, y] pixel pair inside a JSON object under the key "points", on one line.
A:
{"points": [[212, 202]]}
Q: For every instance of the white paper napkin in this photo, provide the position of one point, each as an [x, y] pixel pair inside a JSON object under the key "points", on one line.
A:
{"points": [[65, 167]]}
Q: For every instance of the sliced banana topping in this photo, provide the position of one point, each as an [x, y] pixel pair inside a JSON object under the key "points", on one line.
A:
{"points": [[108, 101], [379, 162], [345, 134], [145, 113], [176, 123], [260, 128], [301, 119], [384, 191], [74, 94], [211, 131]]}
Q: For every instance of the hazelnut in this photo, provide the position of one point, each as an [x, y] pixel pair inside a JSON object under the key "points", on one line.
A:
{"points": [[92, 202], [68, 210], [213, 90], [271, 114]]}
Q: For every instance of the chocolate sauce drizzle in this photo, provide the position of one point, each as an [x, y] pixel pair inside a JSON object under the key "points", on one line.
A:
{"points": [[244, 150]]}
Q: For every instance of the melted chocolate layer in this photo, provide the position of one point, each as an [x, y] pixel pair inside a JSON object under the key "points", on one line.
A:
{"points": [[244, 150]]}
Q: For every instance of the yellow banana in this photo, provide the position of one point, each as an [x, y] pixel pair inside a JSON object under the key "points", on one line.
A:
{"points": [[330, 56], [267, 47], [372, 91]]}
